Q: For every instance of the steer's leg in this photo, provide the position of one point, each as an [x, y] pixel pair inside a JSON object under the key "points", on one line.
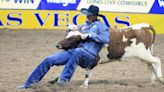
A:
{"points": [[157, 69], [156, 66], [87, 77], [153, 76]]}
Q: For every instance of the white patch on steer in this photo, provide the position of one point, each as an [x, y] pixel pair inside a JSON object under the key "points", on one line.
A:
{"points": [[103, 54], [139, 26], [72, 33], [124, 39], [137, 50]]}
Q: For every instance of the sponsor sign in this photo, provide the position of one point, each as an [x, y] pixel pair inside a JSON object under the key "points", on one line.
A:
{"points": [[57, 20]]}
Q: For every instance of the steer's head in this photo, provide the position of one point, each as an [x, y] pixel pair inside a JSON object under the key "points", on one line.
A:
{"points": [[71, 39], [68, 43]]}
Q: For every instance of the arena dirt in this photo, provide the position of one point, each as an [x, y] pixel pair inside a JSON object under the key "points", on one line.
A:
{"points": [[22, 50]]}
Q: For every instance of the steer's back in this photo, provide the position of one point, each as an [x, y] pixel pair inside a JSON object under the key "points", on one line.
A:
{"points": [[122, 38]]}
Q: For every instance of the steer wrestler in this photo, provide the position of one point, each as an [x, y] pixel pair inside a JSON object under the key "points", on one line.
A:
{"points": [[95, 35]]}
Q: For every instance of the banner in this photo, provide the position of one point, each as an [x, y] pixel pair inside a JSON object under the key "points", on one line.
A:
{"points": [[57, 20], [130, 6]]}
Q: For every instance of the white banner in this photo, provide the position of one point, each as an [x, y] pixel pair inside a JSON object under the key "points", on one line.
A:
{"points": [[139, 6], [129, 6]]}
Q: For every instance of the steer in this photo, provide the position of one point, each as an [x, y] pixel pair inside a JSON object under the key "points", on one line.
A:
{"points": [[133, 41]]}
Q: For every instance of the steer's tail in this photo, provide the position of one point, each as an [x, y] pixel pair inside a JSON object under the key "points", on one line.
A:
{"points": [[149, 27], [154, 33], [153, 38]]}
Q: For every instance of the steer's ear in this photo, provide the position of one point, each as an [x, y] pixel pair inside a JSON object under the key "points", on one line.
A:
{"points": [[73, 27], [67, 31]]}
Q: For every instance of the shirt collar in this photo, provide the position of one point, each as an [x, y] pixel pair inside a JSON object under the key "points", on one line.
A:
{"points": [[88, 23]]}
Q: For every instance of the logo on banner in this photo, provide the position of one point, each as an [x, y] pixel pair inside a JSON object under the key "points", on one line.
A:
{"points": [[161, 3], [64, 2], [58, 4]]}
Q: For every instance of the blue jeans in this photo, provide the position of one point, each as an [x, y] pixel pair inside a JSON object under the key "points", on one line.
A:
{"points": [[70, 58]]}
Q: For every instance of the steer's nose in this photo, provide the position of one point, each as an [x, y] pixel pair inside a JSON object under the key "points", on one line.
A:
{"points": [[58, 46]]}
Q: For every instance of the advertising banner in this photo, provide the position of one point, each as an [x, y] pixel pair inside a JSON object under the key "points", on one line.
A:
{"points": [[130, 6], [58, 20]]}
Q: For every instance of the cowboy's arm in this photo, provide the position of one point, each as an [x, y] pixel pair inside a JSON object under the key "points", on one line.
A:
{"points": [[102, 36]]}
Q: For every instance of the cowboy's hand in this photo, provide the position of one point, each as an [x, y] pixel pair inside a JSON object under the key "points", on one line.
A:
{"points": [[85, 36]]}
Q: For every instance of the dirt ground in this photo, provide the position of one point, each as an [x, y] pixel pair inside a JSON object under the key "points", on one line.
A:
{"points": [[22, 50]]}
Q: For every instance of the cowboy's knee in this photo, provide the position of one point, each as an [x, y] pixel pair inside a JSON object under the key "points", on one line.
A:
{"points": [[47, 61]]}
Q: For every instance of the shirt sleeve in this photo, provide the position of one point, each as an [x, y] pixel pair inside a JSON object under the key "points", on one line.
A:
{"points": [[103, 35]]}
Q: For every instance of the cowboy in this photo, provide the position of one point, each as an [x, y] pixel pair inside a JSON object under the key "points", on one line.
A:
{"points": [[95, 35]]}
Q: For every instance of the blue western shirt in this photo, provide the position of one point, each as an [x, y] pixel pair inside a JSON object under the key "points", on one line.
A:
{"points": [[99, 36]]}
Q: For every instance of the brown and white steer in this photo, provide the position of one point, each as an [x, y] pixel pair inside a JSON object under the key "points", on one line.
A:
{"points": [[133, 41]]}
